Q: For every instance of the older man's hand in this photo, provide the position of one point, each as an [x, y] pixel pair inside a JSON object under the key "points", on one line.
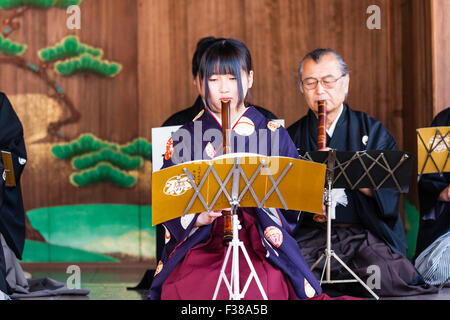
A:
{"points": [[366, 191], [445, 195]]}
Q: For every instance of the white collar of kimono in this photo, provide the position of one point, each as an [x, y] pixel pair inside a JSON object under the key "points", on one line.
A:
{"points": [[338, 195], [330, 131], [220, 120]]}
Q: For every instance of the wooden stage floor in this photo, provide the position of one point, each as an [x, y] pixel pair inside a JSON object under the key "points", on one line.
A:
{"points": [[109, 281]]}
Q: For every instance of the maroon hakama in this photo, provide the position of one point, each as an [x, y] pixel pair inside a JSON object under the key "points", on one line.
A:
{"points": [[196, 277]]}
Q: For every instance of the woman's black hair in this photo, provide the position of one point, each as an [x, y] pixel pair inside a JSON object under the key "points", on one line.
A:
{"points": [[202, 45], [227, 56]]}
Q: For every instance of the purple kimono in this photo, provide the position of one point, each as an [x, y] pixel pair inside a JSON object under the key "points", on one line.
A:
{"points": [[202, 139]]}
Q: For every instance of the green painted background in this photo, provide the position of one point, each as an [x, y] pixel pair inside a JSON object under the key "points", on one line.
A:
{"points": [[111, 233], [92, 233]]}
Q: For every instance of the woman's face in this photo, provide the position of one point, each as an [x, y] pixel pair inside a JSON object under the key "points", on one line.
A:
{"points": [[225, 87]]}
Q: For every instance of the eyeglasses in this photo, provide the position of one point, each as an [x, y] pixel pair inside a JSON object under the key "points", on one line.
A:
{"points": [[327, 82]]}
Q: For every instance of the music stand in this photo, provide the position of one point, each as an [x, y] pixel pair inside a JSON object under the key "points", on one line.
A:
{"points": [[433, 144], [250, 181], [437, 150], [354, 170], [235, 244]]}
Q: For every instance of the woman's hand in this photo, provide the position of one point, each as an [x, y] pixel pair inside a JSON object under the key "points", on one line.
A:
{"points": [[206, 218], [445, 195]]}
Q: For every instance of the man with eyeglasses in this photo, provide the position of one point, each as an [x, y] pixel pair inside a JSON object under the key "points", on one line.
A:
{"points": [[367, 227]]}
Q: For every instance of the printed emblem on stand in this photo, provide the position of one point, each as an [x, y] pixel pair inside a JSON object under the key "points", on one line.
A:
{"points": [[209, 149], [273, 126], [159, 268], [186, 220], [169, 149], [438, 144], [177, 186], [244, 127], [274, 236], [309, 290]]}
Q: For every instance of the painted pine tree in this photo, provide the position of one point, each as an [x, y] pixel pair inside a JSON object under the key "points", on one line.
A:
{"points": [[68, 57], [98, 161]]}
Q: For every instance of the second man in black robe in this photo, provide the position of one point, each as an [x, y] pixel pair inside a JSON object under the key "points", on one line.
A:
{"points": [[367, 231]]}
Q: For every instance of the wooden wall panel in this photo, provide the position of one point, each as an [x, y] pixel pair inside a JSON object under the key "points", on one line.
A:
{"points": [[109, 107], [278, 34], [154, 41], [441, 50], [416, 77]]}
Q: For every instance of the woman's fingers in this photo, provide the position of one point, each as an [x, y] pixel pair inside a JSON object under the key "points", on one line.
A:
{"points": [[215, 214]]}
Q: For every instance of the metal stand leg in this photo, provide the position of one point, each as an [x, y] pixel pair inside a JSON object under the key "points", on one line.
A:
{"points": [[327, 269], [331, 254], [233, 285]]}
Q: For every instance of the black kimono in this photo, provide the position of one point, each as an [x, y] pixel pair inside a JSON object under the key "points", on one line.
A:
{"points": [[366, 231], [12, 214], [434, 214]]}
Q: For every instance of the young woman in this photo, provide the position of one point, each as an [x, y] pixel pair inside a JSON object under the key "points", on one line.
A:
{"points": [[194, 253]]}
